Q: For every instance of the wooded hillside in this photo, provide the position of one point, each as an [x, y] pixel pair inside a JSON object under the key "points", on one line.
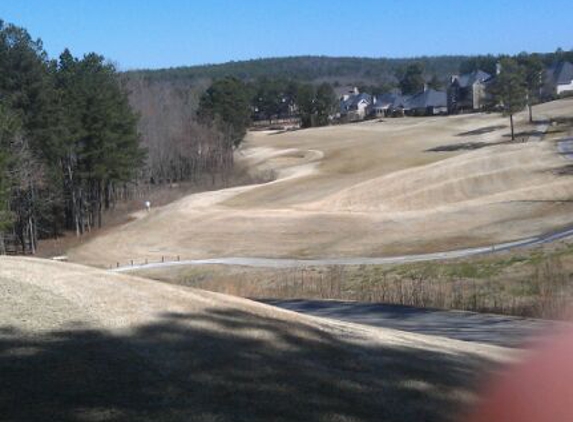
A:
{"points": [[309, 69]]}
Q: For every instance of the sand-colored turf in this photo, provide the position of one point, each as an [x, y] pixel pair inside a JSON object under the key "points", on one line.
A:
{"points": [[367, 189], [79, 344]]}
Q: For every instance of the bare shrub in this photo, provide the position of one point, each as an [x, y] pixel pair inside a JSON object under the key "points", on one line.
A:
{"points": [[546, 294]]}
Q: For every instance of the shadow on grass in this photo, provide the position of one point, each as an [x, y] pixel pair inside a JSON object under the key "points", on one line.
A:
{"points": [[225, 365], [500, 330], [526, 134], [466, 146], [566, 170], [482, 130]]}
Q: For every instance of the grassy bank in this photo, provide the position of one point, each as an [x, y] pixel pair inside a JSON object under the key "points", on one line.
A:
{"points": [[533, 283]]}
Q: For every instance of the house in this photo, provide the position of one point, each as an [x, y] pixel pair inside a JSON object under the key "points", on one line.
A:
{"points": [[558, 80], [389, 104], [429, 102], [355, 106], [468, 92]]}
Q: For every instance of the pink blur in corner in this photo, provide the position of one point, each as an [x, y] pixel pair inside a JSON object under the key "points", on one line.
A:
{"points": [[540, 389]]}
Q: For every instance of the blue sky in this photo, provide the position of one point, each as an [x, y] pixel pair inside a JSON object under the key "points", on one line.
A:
{"points": [[165, 33]]}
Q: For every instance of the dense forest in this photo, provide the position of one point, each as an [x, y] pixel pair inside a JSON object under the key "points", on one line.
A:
{"points": [[68, 140], [335, 70], [72, 145]]}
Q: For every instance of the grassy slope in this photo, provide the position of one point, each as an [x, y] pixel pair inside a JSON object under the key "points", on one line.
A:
{"points": [[109, 347], [367, 189], [534, 282]]}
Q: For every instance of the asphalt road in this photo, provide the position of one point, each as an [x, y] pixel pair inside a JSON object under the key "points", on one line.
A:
{"points": [[499, 330], [402, 259]]}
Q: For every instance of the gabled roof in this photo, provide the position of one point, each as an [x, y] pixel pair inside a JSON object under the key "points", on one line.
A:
{"points": [[561, 73], [389, 100], [428, 98], [361, 97], [353, 101], [469, 79]]}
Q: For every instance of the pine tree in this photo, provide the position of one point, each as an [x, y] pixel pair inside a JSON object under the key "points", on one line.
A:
{"points": [[6, 133], [412, 80], [227, 102], [510, 89], [325, 104], [306, 97], [533, 68]]}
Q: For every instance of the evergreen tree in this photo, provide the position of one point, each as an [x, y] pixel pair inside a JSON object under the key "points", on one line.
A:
{"points": [[6, 133], [510, 89], [435, 83], [485, 63], [325, 104], [227, 102], [412, 81], [268, 98], [306, 98], [74, 142], [100, 145], [534, 72]]}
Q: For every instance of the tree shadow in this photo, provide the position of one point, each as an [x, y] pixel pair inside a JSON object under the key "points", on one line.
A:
{"points": [[564, 170], [526, 134], [226, 365], [465, 146], [482, 130], [499, 330]]}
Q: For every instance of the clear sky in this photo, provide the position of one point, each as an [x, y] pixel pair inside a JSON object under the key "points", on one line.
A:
{"points": [[165, 33]]}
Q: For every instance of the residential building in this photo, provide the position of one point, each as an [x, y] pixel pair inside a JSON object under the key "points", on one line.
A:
{"points": [[355, 106], [389, 104], [429, 102], [558, 80], [467, 92]]}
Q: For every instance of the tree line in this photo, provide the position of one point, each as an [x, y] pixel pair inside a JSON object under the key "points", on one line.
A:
{"points": [[68, 140], [70, 145], [277, 98], [344, 70]]}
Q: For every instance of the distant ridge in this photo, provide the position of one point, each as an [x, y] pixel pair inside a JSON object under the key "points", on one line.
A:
{"points": [[309, 68]]}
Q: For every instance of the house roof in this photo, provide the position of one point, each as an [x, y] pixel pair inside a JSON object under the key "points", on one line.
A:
{"points": [[469, 79], [388, 100], [561, 73], [353, 101], [428, 98]]}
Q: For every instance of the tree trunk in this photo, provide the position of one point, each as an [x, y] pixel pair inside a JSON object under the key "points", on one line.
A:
{"points": [[99, 204], [511, 123], [530, 112], [32, 236]]}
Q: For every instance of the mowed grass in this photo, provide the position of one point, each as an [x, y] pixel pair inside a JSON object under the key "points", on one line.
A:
{"points": [[366, 189], [78, 344]]}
